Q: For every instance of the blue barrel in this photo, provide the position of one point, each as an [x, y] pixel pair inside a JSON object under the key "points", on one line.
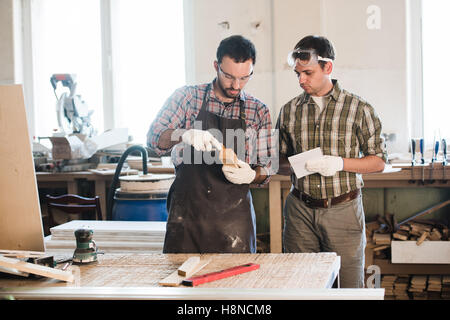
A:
{"points": [[129, 206]]}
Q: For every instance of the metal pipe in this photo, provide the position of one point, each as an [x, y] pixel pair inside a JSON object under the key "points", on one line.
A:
{"points": [[115, 179]]}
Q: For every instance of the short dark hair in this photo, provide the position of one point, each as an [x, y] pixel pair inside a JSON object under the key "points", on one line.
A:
{"points": [[237, 48], [321, 45]]}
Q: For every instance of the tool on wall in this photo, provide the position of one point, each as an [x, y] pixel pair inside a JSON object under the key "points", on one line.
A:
{"points": [[422, 159], [444, 161], [413, 160], [433, 159], [86, 250]]}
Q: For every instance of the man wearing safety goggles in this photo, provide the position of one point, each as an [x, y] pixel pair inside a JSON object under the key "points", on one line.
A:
{"points": [[324, 211], [210, 204]]}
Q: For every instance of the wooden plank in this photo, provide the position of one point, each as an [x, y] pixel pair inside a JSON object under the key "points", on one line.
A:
{"points": [[275, 217], [428, 252], [175, 279], [36, 269], [189, 266], [20, 218]]}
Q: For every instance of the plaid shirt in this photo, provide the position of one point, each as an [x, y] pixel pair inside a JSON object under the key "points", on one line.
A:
{"points": [[347, 127], [182, 108]]}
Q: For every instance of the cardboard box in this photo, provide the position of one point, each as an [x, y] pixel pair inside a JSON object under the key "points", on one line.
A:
{"points": [[73, 146]]}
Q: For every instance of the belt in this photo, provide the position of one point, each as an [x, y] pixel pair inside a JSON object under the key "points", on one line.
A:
{"points": [[324, 203]]}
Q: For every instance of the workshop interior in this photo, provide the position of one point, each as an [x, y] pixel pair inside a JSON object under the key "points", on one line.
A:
{"points": [[87, 205]]}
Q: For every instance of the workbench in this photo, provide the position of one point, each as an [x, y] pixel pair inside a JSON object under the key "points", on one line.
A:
{"points": [[136, 276]]}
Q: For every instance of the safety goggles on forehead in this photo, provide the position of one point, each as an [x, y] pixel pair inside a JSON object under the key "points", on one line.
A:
{"points": [[305, 57]]}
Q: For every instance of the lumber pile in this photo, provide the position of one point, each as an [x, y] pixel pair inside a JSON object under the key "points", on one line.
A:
{"points": [[434, 287], [416, 287], [387, 282], [111, 236], [421, 231], [401, 285], [445, 290]]}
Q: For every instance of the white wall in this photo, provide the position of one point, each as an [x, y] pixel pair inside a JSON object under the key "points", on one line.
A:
{"points": [[370, 62]]}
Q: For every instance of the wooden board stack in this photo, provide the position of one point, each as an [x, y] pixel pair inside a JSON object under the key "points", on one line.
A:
{"points": [[418, 287], [111, 236], [401, 285], [434, 287], [387, 282], [445, 289]]}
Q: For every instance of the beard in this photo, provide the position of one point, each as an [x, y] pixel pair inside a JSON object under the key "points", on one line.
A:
{"points": [[227, 92]]}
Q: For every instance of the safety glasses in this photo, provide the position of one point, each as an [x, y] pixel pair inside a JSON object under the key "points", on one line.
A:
{"points": [[231, 78], [305, 57]]}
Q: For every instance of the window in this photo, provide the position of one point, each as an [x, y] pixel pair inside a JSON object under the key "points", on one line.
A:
{"points": [[145, 59], [436, 108], [66, 39], [148, 60]]}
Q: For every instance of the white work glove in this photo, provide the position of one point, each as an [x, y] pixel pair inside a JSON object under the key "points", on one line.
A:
{"points": [[326, 165], [242, 175], [201, 140]]}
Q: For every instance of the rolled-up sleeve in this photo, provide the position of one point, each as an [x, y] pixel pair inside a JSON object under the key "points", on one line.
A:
{"points": [[370, 135], [171, 116]]}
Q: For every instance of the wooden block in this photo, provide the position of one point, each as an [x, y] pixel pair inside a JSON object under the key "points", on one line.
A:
{"points": [[422, 238], [382, 238], [36, 269], [228, 157], [188, 266], [174, 279], [399, 236], [435, 235], [380, 248]]}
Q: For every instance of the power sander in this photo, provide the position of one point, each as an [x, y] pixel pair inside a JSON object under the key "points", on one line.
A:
{"points": [[86, 250]]}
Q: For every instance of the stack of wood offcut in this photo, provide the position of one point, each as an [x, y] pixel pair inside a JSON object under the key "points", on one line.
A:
{"points": [[401, 286], [387, 282], [434, 287], [423, 230], [445, 290], [418, 287]]}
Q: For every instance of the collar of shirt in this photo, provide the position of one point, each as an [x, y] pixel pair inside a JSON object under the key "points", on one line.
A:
{"points": [[334, 94]]}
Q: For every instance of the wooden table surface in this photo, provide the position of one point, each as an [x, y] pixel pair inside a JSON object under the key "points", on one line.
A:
{"points": [[293, 276], [293, 270]]}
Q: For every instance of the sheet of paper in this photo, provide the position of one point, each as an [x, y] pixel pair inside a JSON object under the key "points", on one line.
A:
{"points": [[298, 161]]}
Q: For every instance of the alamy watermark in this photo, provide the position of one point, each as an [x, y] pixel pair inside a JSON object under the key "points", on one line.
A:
{"points": [[261, 145]]}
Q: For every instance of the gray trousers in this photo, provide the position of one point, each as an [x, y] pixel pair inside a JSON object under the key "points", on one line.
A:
{"points": [[339, 229]]}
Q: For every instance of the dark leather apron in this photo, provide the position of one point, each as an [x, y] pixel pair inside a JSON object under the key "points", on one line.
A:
{"points": [[207, 213]]}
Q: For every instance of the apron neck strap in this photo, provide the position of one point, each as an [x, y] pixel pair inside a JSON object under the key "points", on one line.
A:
{"points": [[205, 103]]}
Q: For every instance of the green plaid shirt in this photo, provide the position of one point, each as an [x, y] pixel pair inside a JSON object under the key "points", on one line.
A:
{"points": [[347, 127]]}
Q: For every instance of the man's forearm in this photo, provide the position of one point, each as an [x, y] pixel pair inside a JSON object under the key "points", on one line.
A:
{"points": [[368, 164], [169, 138], [260, 175]]}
